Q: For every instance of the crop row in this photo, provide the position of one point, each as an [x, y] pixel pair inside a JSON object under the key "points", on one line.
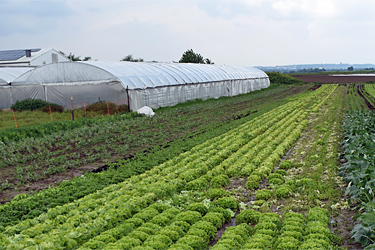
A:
{"points": [[359, 172], [26, 206], [294, 232], [104, 210]]}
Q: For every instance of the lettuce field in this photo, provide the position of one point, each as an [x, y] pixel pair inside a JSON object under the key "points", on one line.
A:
{"points": [[288, 167]]}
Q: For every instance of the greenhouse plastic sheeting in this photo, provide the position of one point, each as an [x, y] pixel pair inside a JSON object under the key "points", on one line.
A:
{"points": [[8, 74], [146, 84]]}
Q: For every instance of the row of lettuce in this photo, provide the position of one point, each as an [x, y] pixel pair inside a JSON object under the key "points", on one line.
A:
{"points": [[196, 177], [359, 172]]}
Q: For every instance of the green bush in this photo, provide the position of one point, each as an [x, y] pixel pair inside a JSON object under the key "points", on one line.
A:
{"points": [[54, 108], [160, 220], [227, 202], [227, 215], [199, 232], [159, 241], [173, 235], [278, 78], [190, 217], [276, 181], [34, 104], [266, 225], [287, 242], [142, 236], [283, 191], [198, 207], [275, 175], [217, 219], [252, 185], [199, 184], [196, 242], [146, 214], [206, 226], [216, 193], [182, 224], [180, 246], [219, 181], [248, 216], [281, 171], [137, 222], [285, 165], [263, 194]]}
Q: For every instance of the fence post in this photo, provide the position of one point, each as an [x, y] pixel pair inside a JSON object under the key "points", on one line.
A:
{"points": [[108, 108], [14, 116], [84, 107], [71, 100], [50, 111]]}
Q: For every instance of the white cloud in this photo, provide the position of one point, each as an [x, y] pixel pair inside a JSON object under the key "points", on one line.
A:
{"points": [[241, 32]]}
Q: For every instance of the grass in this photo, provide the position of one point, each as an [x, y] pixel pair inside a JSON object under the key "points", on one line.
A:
{"points": [[30, 118]]}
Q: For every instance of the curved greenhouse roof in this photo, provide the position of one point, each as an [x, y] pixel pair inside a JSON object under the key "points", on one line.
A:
{"points": [[140, 75], [8, 74]]}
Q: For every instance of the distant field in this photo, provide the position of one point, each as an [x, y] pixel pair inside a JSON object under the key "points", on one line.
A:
{"points": [[335, 78]]}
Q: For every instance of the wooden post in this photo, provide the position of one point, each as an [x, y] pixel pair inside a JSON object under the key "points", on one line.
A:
{"points": [[84, 107], [127, 93], [71, 100], [14, 116], [108, 108], [50, 111]]}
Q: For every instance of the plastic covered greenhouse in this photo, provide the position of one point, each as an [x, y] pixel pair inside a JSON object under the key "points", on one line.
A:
{"points": [[7, 75], [137, 84]]}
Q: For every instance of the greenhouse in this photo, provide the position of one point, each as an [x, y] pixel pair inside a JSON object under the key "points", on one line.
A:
{"points": [[136, 84], [7, 75]]}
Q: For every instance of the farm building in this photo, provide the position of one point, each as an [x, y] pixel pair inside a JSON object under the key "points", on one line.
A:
{"points": [[137, 84], [30, 57]]}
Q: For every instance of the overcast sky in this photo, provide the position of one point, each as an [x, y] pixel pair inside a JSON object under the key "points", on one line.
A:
{"points": [[235, 32]]}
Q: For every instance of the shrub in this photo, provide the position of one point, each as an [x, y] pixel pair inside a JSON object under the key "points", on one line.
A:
{"points": [[276, 181], [173, 235], [54, 108], [101, 107], [281, 171], [216, 193], [122, 108], [265, 225], [198, 207], [227, 202], [217, 219], [160, 220], [227, 215], [34, 104], [287, 242], [199, 232], [219, 181], [142, 236], [263, 194], [278, 78], [190, 217], [274, 175], [182, 224], [259, 202], [146, 214], [196, 242], [206, 226], [285, 165], [180, 246], [159, 241], [283, 191], [252, 185], [249, 216], [199, 184]]}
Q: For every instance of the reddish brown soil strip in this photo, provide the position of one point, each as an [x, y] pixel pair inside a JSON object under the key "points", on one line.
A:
{"points": [[334, 79]]}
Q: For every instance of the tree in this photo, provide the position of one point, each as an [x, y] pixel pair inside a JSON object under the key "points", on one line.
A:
{"points": [[190, 56], [350, 68], [130, 58], [74, 58]]}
